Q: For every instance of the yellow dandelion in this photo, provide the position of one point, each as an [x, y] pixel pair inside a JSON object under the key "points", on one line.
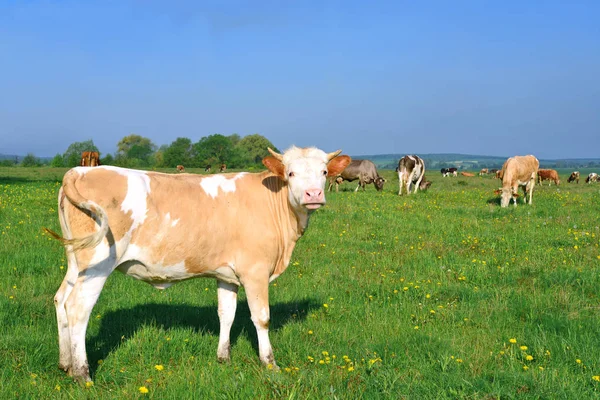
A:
{"points": [[596, 378], [529, 357], [459, 360], [310, 332], [350, 369], [525, 367], [325, 305], [523, 348], [89, 384], [57, 388], [143, 389], [159, 367], [578, 361], [512, 340], [541, 368]]}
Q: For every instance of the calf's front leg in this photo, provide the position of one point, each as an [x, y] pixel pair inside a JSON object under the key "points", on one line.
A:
{"points": [[227, 297]]}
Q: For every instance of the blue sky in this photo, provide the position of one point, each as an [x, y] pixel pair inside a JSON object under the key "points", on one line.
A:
{"points": [[478, 77]]}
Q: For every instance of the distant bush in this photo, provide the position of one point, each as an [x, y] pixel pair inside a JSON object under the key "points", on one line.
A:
{"points": [[30, 160], [7, 163]]}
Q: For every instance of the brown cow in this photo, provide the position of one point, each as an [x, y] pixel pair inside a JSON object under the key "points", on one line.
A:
{"points": [[467, 174], [573, 177], [90, 159], [166, 228], [363, 170], [180, 168], [548, 175], [518, 171], [499, 174], [223, 168], [484, 171]]}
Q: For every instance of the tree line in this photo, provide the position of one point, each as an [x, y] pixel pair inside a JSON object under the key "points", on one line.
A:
{"points": [[135, 151]]}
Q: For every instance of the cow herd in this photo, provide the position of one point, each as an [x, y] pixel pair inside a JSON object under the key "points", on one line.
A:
{"points": [[517, 171]]}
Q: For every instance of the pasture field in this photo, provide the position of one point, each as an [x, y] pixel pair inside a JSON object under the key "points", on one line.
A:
{"points": [[439, 295]]}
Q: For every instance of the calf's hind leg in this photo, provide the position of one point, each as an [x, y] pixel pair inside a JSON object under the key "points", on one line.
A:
{"points": [[64, 340]]}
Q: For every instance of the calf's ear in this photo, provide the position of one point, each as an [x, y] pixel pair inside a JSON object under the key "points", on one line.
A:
{"points": [[274, 165], [337, 165]]}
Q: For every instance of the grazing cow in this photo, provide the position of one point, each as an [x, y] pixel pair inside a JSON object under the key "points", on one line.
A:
{"points": [[573, 177], [411, 169], [467, 174], [90, 159], [592, 177], [425, 184], [499, 174], [222, 168], [518, 171], [363, 170], [207, 168], [180, 168], [493, 171], [484, 171], [449, 171], [548, 175], [165, 228]]}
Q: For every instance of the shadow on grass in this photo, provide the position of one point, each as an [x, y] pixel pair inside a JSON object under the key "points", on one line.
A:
{"points": [[124, 323], [494, 200]]}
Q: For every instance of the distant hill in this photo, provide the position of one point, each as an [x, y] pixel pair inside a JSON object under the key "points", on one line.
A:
{"points": [[473, 162]]}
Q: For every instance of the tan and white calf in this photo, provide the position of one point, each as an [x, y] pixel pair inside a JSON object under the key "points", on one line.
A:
{"points": [[239, 228], [411, 169], [518, 171]]}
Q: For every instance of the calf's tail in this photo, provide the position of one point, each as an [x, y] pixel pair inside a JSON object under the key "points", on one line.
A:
{"points": [[95, 211]]}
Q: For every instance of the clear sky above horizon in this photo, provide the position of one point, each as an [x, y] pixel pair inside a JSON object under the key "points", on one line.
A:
{"points": [[474, 77]]}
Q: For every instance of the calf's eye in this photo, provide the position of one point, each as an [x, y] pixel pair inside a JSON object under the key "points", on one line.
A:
{"points": [[324, 172], [291, 174]]}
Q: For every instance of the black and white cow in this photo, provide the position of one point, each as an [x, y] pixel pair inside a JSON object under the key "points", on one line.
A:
{"points": [[411, 169], [449, 171]]}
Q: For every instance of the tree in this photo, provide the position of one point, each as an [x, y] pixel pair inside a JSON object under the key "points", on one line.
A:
{"points": [[255, 147], [72, 157], [214, 149], [57, 161], [178, 152], [30, 160], [135, 151], [107, 160]]}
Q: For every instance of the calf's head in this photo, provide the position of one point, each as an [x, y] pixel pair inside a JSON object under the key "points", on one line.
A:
{"points": [[305, 170], [379, 181]]}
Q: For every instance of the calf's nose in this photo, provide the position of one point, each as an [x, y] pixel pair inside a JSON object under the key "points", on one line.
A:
{"points": [[313, 196]]}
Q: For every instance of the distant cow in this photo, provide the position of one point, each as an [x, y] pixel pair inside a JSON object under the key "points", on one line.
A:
{"points": [[207, 168], [573, 177], [449, 171], [499, 174], [518, 171], [90, 159], [467, 174], [592, 177], [363, 170], [180, 168], [161, 229], [222, 168], [548, 175], [484, 171], [411, 169]]}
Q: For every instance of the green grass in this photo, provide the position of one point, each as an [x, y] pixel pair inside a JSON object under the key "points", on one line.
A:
{"points": [[386, 297]]}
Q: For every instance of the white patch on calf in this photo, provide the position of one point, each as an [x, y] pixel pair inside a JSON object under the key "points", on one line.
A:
{"points": [[212, 184], [138, 188]]}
